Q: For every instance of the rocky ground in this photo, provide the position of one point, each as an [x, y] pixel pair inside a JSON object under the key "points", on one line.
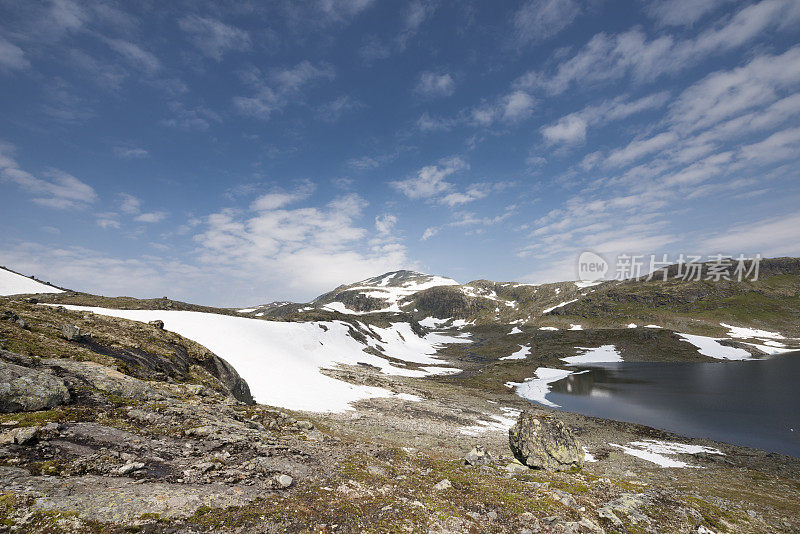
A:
{"points": [[124, 427]]}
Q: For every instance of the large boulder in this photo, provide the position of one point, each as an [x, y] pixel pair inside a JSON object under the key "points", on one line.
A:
{"points": [[23, 389], [544, 442]]}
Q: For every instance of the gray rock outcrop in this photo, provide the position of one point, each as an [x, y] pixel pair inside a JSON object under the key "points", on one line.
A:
{"points": [[23, 389]]}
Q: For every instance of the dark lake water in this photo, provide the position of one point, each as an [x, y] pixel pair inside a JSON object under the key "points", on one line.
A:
{"points": [[755, 403]]}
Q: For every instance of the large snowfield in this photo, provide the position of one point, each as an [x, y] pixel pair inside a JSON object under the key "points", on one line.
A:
{"points": [[16, 284], [281, 361]]}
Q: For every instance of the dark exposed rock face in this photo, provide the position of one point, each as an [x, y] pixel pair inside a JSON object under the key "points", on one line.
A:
{"points": [[25, 390], [544, 442]]}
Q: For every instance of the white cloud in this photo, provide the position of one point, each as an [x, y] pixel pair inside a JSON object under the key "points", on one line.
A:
{"points": [[279, 198], [307, 250], [569, 129], [126, 152], [280, 88], [681, 12], [57, 189], [778, 146], [12, 57], [538, 20], [429, 233], [611, 57], [342, 10], [773, 236], [416, 14], [723, 94], [213, 37], [517, 106], [430, 180], [332, 111], [572, 128], [385, 223], [640, 148], [472, 193], [130, 204], [135, 55], [432, 85], [510, 108], [427, 123], [151, 217]]}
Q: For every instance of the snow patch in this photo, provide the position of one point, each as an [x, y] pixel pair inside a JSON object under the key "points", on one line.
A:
{"points": [[548, 328], [708, 346], [602, 354], [515, 330], [536, 388], [584, 284], [747, 333], [575, 327], [658, 452], [16, 284], [493, 422], [521, 354], [548, 310], [432, 322]]}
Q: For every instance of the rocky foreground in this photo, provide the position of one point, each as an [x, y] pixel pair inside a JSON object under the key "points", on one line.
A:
{"points": [[115, 426]]}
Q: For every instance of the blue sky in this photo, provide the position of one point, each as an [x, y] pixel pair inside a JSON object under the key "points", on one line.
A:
{"points": [[237, 152]]}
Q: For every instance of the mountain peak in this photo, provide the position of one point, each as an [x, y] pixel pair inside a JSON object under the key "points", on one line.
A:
{"points": [[406, 279]]}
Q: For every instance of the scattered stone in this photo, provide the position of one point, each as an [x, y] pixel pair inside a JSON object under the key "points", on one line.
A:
{"points": [[376, 471], [19, 436], [478, 456], [515, 467], [22, 323], [544, 442], [8, 315], [491, 516], [304, 425], [71, 332], [23, 389], [442, 485], [283, 481], [157, 323], [130, 467], [31, 300], [205, 467]]}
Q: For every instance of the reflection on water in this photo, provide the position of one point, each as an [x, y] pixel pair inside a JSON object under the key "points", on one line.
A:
{"points": [[753, 403]]}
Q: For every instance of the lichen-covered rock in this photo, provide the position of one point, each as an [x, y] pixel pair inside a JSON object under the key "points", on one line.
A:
{"points": [[71, 332], [106, 379], [544, 442], [23, 389]]}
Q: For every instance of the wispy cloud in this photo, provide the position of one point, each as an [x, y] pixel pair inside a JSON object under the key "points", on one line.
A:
{"points": [[12, 57], [278, 89], [431, 85], [537, 20], [57, 189], [213, 37]]}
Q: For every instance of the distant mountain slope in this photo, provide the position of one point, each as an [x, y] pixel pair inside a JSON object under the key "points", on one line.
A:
{"points": [[12, 283], [390, 292]]}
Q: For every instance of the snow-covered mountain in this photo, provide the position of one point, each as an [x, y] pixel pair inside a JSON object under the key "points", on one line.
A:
{"points": [[12, 283], [390, 292]]}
